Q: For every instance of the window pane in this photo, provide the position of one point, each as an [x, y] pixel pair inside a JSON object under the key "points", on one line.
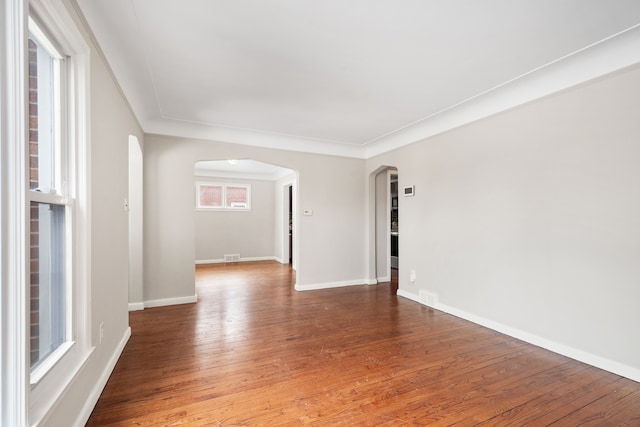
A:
{"points": [[210, 196], [47, 280], [42, 117], [237, 197]]}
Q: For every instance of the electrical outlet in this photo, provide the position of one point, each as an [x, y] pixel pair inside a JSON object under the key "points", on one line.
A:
{"points": [[412, 276], [101, 331]]}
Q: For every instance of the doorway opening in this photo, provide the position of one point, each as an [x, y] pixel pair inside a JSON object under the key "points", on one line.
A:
{"points": [[290, 224], [133, 204], [244, 211], [385, 224], [394, 218]]}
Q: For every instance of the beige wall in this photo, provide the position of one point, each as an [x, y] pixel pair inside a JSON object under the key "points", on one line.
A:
{"points": [[528, 221], [330, 243], [111, 124]]}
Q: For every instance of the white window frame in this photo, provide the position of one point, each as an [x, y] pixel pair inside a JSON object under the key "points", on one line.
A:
{"points": [[48, 384], [60, 194], [224, 186], [14, 367]]}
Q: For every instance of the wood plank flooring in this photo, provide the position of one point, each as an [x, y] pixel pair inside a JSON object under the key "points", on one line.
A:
{"points": [[254, 352]]}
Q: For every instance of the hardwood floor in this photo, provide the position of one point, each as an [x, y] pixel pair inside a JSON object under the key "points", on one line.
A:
{"points": [[254, 352]]}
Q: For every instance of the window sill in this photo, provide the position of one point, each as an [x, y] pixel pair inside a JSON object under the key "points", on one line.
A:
{"points": [[201, 209], [43, 369]]}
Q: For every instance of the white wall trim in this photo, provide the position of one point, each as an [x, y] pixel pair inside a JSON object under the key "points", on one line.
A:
{"points": [[209, 261], [383, 279], [329, 285], [77, 370], [171, 301], [186, 129], [248, 259], [409, 295], [565, 350], [612, 54], [136, 306], [94, 395]]}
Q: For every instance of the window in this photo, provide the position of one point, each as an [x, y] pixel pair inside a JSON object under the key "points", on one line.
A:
{"points": [[217, 196], [50, 214], [46, 233], [210, 196]]}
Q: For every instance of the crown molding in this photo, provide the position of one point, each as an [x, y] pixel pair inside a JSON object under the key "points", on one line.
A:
{"points": [[605, 57], [615, 53], [186, 129]]}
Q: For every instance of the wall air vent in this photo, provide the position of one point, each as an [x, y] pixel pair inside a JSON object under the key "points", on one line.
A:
{"points": [[231, 257]]}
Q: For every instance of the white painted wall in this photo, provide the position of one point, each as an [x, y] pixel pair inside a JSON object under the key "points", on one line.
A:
{"points": [[111, 124], [248, 233], [527, 221], [330, 244]]}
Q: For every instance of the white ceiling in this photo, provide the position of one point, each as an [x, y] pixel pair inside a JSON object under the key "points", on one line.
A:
{"points": [[349, 77]]}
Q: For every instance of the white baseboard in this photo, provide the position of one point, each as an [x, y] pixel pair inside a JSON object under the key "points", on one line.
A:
{"points": [[222, 261], [409, 295], [94, 395], [209, 261], [565, 350], [329, 285], [171, 301], [384, 279], [136, 306]]}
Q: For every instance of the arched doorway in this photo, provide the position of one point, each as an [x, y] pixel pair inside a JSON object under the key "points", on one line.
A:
{"points": [[257, 224], [385, 223]]}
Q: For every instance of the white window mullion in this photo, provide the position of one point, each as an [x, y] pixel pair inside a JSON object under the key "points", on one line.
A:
{"points": [[49, 198]]}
